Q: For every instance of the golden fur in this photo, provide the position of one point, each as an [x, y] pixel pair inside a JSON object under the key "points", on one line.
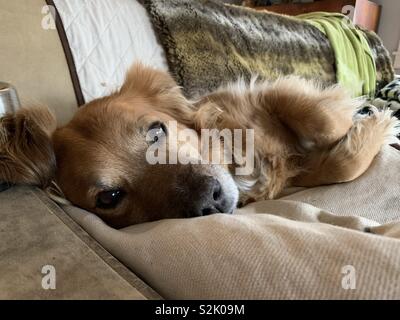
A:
{"points": [[26, 153], [304, 136]]}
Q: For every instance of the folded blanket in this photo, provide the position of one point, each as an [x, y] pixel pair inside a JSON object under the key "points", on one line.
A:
{"points": [[355, 65], [208, 43]]}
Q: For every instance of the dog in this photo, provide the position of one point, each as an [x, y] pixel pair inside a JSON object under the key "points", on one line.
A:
{"points": [[304, 135]]}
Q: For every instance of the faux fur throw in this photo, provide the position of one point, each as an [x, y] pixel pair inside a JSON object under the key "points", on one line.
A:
{"points": [[209, 43]]}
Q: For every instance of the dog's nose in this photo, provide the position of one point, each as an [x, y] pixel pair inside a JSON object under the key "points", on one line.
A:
{"points": [[210, 200]]}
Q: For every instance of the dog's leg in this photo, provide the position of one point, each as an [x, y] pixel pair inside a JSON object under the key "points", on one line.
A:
{"points": [[318, 117], [353, 154]]}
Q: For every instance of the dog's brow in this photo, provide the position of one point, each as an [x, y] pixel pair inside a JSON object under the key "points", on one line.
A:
{"points": [[140, 119], [141, 122], [101, 186]]}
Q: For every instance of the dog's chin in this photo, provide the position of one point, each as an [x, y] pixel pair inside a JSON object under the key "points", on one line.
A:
{"points": [[229, 188]]}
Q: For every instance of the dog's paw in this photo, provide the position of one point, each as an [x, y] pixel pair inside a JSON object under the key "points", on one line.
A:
{"points": [[385, 124]]}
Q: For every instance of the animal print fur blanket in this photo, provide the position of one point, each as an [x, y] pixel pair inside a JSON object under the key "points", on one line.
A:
{"points": [[209, 43], [389, 97]]}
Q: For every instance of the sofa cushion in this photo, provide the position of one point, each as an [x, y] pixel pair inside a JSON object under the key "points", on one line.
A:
{"points": [[32, 58], [279, 249], [105, 38], [34, 233]]}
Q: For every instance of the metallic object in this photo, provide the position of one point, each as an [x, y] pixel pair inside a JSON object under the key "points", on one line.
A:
{"points": [[9, 101], [397, 59]]}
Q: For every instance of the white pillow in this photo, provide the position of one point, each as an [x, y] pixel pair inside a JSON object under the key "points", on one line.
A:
{"points": [[105, 38]]}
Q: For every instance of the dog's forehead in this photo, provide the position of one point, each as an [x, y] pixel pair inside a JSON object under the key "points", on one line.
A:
{"points": [[92, 163], [113, 111], [91, 146]]}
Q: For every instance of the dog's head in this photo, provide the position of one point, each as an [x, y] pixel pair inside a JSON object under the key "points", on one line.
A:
{"points": [[102, 155]]}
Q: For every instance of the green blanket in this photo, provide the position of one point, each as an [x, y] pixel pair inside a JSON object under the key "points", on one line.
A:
{"points": [[355, 65]]}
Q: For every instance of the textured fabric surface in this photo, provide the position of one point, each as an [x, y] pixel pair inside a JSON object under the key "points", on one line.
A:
{"points": [[209, 43], [282, 249], [33, 235], [105, 38]]}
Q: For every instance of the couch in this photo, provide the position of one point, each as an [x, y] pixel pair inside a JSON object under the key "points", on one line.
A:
{"points": [[297, 247]]}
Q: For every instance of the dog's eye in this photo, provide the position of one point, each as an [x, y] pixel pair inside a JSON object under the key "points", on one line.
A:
{"points": [[157, 130], [109, 199]]}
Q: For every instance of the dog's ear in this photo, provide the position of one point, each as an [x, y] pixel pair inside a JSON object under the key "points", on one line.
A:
{"points": [[148, 81], [159, 87], [26, 150]]}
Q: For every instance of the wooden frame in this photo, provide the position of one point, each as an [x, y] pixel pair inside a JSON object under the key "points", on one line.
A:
{"points": [[366, 13], [299, 8]]}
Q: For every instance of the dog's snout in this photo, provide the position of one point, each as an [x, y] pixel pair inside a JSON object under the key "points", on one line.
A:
{"points": [[209, 199]]}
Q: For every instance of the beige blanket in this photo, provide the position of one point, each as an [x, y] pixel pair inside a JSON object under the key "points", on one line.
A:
{"points": [[292, 248]]}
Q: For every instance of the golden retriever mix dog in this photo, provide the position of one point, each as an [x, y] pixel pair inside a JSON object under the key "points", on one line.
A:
{"points": [[303, 136]]}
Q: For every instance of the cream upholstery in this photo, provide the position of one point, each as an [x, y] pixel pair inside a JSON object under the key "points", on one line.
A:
{"points": [[35, 233], [32, 58], [284, 249]]}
